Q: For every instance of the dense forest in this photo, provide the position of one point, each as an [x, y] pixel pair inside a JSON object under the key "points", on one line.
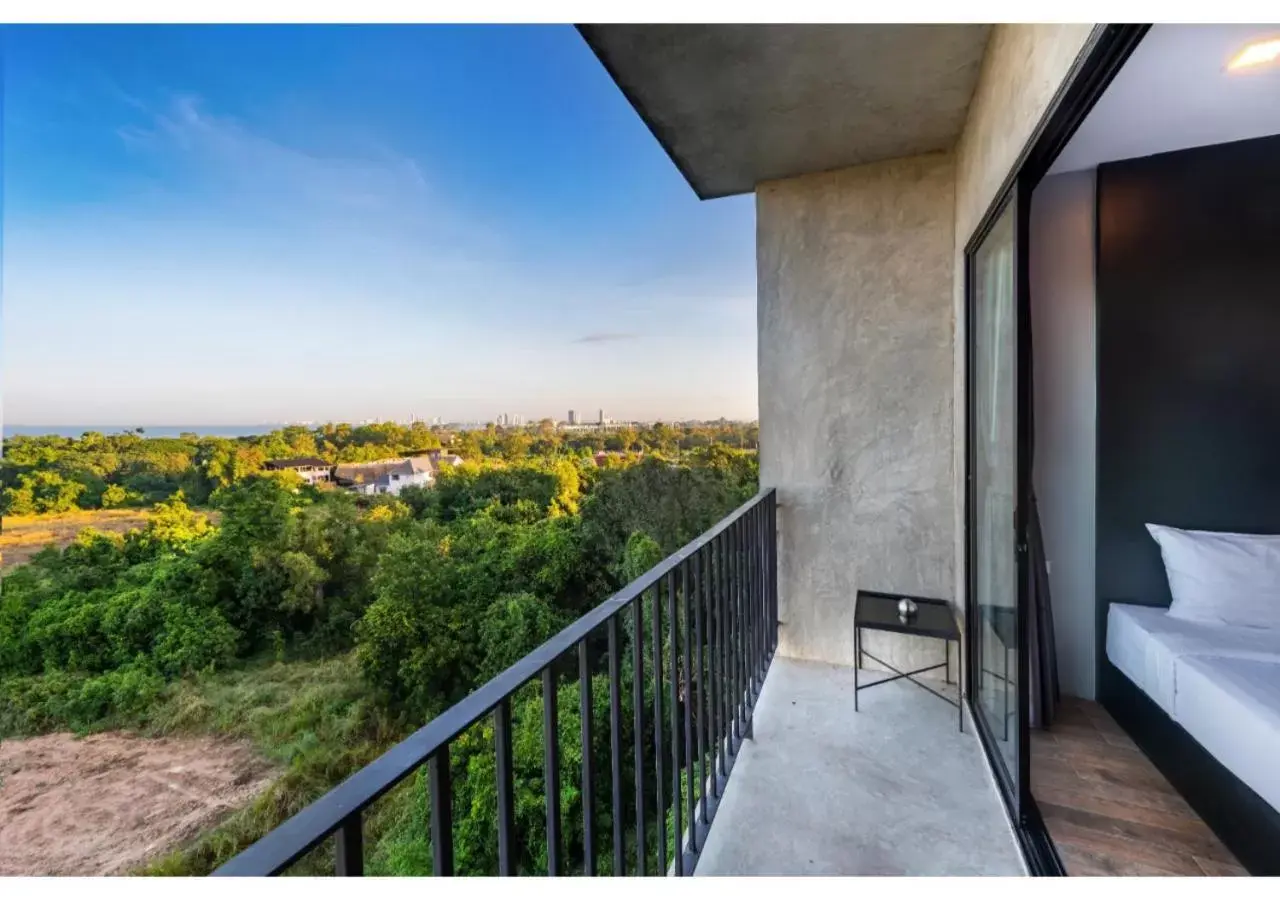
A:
{"points": [[50, 474], [323, 626]]}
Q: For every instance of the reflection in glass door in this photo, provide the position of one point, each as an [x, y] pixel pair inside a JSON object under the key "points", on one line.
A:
{"points": [[994, 488]]}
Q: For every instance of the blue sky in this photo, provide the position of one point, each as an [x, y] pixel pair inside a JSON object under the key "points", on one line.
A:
{"points": [[257, 224]]}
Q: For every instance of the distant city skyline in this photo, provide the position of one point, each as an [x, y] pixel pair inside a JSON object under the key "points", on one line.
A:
{"points": [[237, 429], [236, 224], [507, 419]]}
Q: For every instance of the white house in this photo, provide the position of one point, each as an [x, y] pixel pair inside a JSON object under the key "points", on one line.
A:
{"points": [[386, 476], [310, 469]]}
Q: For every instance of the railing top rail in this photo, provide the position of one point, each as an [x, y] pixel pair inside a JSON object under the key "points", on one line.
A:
{"points": [[305, 830]]}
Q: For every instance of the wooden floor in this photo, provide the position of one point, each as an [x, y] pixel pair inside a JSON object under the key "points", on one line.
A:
{"points": [[1108, 809]]}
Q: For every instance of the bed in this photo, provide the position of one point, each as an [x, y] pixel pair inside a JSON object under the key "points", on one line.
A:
{"points": [[1220, 683]]}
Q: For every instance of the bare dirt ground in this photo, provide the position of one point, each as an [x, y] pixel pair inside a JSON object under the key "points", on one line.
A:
{"points": [[107, 803], [25, 536]]}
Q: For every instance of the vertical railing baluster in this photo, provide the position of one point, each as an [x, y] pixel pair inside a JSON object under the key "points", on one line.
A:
{"points": [[731, 640], [748, 612], [441, 784], [506, 788], [588, 762], [744, 601], [713, 628], [756, 618], [726, 663], [761, 603], [703, 566], [773, 561], [748, 621], [744, 632], [349, 845], [765, 629], [615, 745], [770, 575], [760, 589], [727, 602], [637, 716], [726, 727], [764, 584], [738, 631], [771, 554], [661, 809], [764, 593], [751, 605], [674, 649], [551, 767], [686, 591]]}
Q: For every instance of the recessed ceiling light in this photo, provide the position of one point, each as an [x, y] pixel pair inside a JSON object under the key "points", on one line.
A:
{"points": [[1259, 53]]}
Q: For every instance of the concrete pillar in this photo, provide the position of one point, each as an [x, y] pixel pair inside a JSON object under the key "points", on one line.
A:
{"points": [[854, 273]]}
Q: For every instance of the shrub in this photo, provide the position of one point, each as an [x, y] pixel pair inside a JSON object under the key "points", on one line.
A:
{"points": [[192, 640], [32, 705]]}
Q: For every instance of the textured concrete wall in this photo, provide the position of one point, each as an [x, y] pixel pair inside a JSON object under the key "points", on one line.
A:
{"points": [[854, 282], [1023, 68], [861, 333]]}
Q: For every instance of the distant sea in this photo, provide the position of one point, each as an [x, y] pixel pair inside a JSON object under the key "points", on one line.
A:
{"points": [[74, 431]]}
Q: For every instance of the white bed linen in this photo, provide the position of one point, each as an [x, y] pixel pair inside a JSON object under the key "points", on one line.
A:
{"points": [[1145, 643], [1232, 707]]}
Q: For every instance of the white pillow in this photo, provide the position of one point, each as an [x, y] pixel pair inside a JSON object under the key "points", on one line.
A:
{"points": [[1221, 578]]}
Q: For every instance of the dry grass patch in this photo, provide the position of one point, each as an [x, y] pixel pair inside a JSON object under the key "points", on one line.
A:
{"points": [[23, 537]]}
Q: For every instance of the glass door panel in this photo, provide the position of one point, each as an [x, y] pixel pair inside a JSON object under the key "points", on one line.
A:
{"points": [[994, 470]]}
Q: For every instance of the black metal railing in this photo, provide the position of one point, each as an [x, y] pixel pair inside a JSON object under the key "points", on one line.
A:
{"points": [[718, 633]]}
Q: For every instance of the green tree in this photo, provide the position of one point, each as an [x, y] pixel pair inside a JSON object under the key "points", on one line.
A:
{"points": [[42, 491], [417, 639], [513, 626], [114, 496]]}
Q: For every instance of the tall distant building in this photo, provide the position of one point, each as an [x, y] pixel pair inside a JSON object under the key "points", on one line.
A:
{"points": [[573, 417], [602, 417]]}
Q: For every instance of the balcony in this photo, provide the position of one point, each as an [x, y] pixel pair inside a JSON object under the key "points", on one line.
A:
{"points": [[686, 654], [893, 789]]}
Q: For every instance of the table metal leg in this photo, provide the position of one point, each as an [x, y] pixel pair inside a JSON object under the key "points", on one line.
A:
{"points": [[857, 663]]}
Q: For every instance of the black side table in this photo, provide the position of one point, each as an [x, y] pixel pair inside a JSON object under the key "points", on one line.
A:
{"points": [[878, 611]]}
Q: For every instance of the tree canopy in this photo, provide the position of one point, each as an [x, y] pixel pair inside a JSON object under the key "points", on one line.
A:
{"points": [[431, 593]]}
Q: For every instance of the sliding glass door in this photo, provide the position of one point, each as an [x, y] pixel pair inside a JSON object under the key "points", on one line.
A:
{"points": [[994, 481]]}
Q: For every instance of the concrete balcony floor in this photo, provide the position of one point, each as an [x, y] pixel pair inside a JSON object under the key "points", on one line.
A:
{"points": [[892, 790]]}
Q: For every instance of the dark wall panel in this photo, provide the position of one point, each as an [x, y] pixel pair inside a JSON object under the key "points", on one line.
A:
{"points": [[1188, 349], [1188, 287]]}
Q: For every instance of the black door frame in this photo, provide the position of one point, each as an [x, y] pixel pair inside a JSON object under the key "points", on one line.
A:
{"points": [[1011, 786], [1104, 53]]}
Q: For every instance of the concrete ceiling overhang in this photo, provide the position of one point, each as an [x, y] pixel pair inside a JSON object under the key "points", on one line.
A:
{"points": [[734, 105]]}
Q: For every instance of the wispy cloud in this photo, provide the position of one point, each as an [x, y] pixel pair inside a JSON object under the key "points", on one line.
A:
{"points": [[348, 195], [605, 337], [231, 155]]}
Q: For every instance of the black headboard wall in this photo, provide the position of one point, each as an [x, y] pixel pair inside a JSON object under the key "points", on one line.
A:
{"points": [[1188, 355], [1188, 401]]}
